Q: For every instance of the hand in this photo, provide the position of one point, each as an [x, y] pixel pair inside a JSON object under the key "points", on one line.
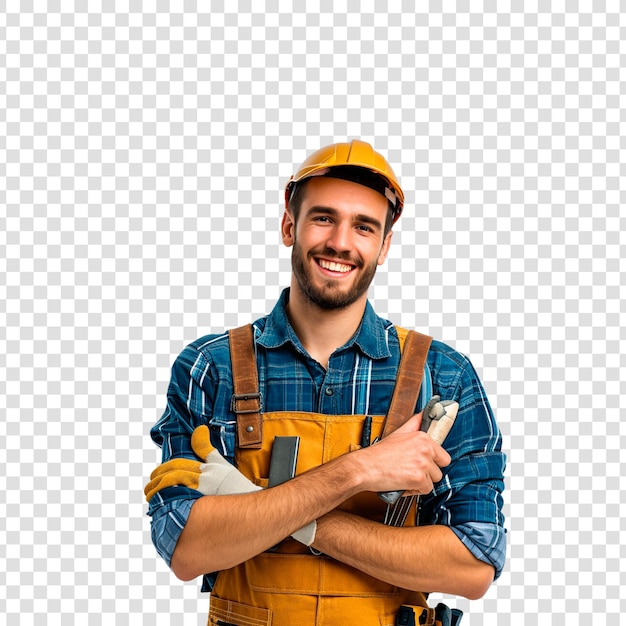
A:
{"points": [[407, 460], [216, 476]]}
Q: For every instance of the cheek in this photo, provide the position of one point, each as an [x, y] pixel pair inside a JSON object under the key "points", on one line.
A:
{"points": [[309, 237]]}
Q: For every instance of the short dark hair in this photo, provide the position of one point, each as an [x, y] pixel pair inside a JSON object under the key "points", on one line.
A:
{"points": [[297, 196]]}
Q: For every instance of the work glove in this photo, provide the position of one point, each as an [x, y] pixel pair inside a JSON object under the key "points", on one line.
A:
{"points": [[216, 476]]}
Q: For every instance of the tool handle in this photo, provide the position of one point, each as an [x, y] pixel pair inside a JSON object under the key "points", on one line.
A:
{"points": [[438, 431]]}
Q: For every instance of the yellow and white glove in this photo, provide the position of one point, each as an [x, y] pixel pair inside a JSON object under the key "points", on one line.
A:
{"points": [[215, 477]]}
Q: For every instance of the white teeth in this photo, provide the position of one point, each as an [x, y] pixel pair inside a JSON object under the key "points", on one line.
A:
{"points": [[334, 267]]}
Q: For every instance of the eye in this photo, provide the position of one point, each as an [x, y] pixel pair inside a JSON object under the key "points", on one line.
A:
{"points": [[364, 228]]}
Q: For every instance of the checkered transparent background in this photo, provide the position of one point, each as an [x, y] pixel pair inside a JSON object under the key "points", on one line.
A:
{"points": [[144, 148]]}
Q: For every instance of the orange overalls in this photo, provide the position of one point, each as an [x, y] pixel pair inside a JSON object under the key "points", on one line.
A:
{"points": [[291, 585]]}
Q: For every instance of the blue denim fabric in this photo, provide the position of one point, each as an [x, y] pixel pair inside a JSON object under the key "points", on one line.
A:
{"points": [[359, 380]]}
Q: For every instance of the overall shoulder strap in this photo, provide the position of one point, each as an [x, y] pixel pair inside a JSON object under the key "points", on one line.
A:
{"points": [[414, 348], [246, 402]]}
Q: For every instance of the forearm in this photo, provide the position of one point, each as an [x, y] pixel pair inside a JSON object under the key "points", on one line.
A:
{"points": [[222, 531], [425, 558]]}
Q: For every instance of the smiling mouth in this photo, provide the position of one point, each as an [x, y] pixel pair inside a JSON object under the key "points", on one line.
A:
{"points": [[334, 266]]}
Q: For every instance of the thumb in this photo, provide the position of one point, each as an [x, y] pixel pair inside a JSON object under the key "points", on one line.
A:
{"points": [[413, 424], [201, 442]]}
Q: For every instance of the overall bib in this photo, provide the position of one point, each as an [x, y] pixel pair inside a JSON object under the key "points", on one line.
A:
{"points": [[290, 585]]}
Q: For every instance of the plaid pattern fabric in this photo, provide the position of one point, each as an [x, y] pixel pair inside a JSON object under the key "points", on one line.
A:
{"points": [[359, 380]]}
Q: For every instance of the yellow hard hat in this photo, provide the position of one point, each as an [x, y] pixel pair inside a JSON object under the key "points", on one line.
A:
{"points": [[356, 161]]}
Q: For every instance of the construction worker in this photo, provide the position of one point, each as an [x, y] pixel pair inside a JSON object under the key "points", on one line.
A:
{"points": [[321, 369]]}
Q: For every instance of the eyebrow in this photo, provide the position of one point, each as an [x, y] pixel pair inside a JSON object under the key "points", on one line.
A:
{"points": [[359, 217]]}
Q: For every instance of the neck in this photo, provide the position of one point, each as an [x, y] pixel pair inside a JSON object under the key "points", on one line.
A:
{"points": [[323, 331]]}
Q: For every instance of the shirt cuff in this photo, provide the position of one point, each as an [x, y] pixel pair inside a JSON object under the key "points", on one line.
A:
{"points": [[487, 542], [168, 521]]}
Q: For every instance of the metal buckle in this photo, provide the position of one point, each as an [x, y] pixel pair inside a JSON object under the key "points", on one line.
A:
{"points": [[246, 396]]}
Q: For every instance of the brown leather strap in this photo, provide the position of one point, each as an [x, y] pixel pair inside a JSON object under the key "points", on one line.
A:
{"points": [[246, 401], [408, 381]]}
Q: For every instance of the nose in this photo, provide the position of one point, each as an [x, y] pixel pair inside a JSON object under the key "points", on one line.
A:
{"points": [[340, 238]]}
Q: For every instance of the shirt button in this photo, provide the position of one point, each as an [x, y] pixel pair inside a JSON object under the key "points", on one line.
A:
{"points": [[329, 391]]}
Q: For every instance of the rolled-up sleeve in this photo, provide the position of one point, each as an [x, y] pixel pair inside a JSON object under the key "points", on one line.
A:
{"points": [[188, 406], [469, 497], [169, 510], [487, 542]]}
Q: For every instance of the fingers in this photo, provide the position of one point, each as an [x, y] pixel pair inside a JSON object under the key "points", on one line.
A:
{"points": [[427, 471], [434, 459], [174, 472], [408, 459], [188, 465], [421, 441], [441, 458]]}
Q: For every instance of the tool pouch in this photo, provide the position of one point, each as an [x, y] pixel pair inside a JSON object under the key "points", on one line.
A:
{"points": [[446, 616], [410, 615], [441, 615]]}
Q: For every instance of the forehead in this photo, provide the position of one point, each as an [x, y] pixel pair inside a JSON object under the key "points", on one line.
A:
{"points": [[342, 194]]}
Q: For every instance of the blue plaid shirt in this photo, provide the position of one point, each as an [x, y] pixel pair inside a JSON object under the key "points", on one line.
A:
{"points": [[359, 380]]}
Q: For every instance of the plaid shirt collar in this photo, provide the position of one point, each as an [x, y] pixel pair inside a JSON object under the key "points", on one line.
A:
{"points": [[370, 337]]}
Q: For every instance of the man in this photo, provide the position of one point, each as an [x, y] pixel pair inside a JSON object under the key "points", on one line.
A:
{"points": [[323, 548]]}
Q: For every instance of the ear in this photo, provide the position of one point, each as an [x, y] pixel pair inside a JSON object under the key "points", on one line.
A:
{"points": [[384, 251], [287, 229]]}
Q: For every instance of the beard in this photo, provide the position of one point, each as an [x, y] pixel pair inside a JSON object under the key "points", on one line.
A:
{"points": [[330, 295]]}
